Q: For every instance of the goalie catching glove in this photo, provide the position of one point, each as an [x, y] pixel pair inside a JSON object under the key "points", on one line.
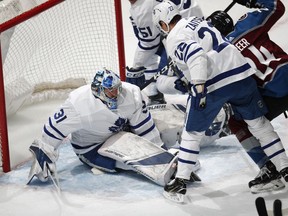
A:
{"points": [[135, 75], [44, 158]]}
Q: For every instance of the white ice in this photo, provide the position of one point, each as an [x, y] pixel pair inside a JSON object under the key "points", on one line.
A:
{"points": [[225, 167]]}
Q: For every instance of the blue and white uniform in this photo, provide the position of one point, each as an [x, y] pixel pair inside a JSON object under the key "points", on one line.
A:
{"points": [[149, 40], [204, 56], [90, 122]]}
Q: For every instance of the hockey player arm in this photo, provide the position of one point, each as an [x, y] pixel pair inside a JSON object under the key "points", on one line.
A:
{"points": [[195, 63], [141, 121]]}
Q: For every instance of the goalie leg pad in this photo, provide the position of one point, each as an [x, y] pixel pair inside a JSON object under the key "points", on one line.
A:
{"points": [[144, 156], [44, 158], [96, 160]]}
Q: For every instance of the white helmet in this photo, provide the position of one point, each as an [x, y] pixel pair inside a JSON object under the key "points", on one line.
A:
{"points": [[165, 12]]}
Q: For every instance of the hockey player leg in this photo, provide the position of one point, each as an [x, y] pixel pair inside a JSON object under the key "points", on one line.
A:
{"points": [[145, 157], [155, 97], [175, 190], [248, 141], [262, 129], [268, 178]]}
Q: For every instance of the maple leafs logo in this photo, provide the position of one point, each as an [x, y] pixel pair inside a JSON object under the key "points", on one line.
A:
{"points": [[119, 125]]}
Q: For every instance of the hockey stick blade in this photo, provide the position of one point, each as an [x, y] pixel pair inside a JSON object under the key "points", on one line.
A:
{"points": [[261, 206], [174, 197], [277, 207]]}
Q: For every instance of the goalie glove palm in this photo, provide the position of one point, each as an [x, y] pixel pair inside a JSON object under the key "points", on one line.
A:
{"points": [[44, 158]]}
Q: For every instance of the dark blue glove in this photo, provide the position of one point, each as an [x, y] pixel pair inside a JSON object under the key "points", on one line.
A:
{"points": [[135, 75], [250, 3], [180, 85], [198, 93]]}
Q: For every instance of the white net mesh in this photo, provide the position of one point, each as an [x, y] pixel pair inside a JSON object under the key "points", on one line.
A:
{"points": [[60, 48], [54, 52]]}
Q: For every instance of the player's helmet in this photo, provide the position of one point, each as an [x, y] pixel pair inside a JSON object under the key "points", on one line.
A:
{"points": [[222, 21], [106, 86], [165, 12]]}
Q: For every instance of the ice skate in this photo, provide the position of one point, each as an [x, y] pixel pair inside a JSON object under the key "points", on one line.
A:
{"points": [[157, 99], [175, 190], [284, 173], [268, 179]]}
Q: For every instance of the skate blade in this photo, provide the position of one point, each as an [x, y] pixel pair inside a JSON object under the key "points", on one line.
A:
{"points": [[175, 197], [274, 185]]}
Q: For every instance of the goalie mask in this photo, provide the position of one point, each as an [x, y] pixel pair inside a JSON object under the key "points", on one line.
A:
{"points": [[164, 12], [222, 21], [107, 86]]}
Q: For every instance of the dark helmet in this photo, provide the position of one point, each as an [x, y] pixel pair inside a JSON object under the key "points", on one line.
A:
{"points": [[222, 21]]}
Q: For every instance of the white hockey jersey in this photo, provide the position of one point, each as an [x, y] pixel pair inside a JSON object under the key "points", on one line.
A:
{"points": [[147, 33], [203, 55], [91, 123]]}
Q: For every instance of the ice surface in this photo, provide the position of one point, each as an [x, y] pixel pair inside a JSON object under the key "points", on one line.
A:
{"points": [[225, 168]]}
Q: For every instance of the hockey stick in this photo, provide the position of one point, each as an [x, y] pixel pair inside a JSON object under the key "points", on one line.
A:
{"points": [[285, 113], [162, 71], [230, 6], [277, 207], [261, 206], [55, 180]]}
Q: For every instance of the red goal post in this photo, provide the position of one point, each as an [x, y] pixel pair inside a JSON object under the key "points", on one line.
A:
{"points": [[56, 45]]}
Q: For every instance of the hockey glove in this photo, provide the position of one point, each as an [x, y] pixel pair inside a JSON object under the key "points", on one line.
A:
{"points": [[198, 96], [180, 85], [250, 3], [44, 158], [135, 75]]}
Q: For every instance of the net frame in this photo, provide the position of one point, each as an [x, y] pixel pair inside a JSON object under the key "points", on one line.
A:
{"points": [[4, 142]]}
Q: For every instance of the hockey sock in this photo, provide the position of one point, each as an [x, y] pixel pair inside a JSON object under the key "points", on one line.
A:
{"points": [[248, 141]]}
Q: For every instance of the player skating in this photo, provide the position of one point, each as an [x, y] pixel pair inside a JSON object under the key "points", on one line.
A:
{"points": [[250, 36], [217, 73]]}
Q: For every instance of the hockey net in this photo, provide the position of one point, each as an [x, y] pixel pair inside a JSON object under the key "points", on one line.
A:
{"points": [[56, 46]]}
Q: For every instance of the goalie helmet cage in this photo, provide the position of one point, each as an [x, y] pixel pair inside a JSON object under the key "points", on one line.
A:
{"points": [[58, 44]]}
